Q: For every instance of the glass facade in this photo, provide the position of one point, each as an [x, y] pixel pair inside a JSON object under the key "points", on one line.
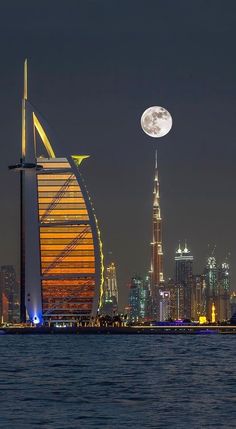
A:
{"points": [[68, 242]]}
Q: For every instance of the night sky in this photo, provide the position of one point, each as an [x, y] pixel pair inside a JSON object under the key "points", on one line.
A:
{"points": [[94, 67]]}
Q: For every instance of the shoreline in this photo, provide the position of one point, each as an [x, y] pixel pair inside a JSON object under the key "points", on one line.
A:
{"points": [[134, 330]]}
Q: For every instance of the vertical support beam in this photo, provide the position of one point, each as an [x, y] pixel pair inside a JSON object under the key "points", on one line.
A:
{"points": [[31, 298], [22, 232], [22, 255]]}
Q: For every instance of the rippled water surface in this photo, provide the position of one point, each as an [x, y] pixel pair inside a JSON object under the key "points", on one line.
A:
{"points": [[71, 381]]}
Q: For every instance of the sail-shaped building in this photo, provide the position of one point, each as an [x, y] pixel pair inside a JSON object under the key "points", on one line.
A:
{"points": [[61, 250]]}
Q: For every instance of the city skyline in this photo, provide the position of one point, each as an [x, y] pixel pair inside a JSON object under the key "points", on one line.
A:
{"points": [[117, 178], [98, 104]]}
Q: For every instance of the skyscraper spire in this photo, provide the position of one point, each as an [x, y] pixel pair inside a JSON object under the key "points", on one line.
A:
{"points": [[157, 278], [156, 202], [25, 95], [25, 80]]}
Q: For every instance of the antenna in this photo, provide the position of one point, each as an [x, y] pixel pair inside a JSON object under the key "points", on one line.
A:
{"points": [[25, 80], [213, 250], [23, 139], [156, 158]]}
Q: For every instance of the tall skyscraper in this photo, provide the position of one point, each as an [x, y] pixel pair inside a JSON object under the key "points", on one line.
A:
{"points": [[183, 282], [9, 294], [156, 272], [61, 251], [134, 298], [232, 303], [212, 286], [198, 297], [110, 291], [146, 299], [224, 291], [165, 301], [173, 300], [139, 299], [218, 289]]}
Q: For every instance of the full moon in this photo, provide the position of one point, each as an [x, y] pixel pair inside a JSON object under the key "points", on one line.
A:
{"points": [[156, 121]]}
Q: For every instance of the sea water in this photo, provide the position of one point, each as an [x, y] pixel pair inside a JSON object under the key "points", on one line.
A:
{"points": [[106, 381]]}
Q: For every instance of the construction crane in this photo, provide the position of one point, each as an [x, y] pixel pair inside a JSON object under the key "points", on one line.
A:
{"points": [[67, 250], [57, 198]]}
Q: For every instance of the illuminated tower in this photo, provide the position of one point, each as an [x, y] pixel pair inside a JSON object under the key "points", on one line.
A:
{"points": [[111, 282], [110, 292], [183, 282], [198, 296], [212, 287], [61, 254], [218, 288], [135, 301], [157, 279], [224, 291], [9, 299]]}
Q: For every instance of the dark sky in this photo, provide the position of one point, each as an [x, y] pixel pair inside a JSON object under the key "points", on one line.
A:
{"points": [[94, 67]]}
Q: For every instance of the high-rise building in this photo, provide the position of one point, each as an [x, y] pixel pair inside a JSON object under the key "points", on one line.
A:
{"points": [[212, 286], [224, 292], [134, 298], [139, 299], [9, 294], [110, 291], [218, 289], [61, 253], [156, 271], [173, 308], [164, 304], [146, 299], [183, 282], [198, 297], [232, 304]]}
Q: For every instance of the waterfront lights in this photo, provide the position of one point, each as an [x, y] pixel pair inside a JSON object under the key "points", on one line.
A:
{"points": [[36, 320]]}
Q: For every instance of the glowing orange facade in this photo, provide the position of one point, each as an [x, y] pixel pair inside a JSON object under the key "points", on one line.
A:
{"points": [[69, 242]]}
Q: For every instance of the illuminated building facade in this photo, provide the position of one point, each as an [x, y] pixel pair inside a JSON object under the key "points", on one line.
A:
{"points": [[232, 303], [139, 299], [224, 291], [146, 299], [171, 288], [164, 305], [156, 272], [184, 282], [109, 303], [111, 282], [218, 289], [134, 299], [61, 254], [198, 297], [212, 286], [9, 294]]}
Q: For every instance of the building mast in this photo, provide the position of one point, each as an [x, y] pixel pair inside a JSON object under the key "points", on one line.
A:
{"points": [[22, 246], [157, 278]]}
